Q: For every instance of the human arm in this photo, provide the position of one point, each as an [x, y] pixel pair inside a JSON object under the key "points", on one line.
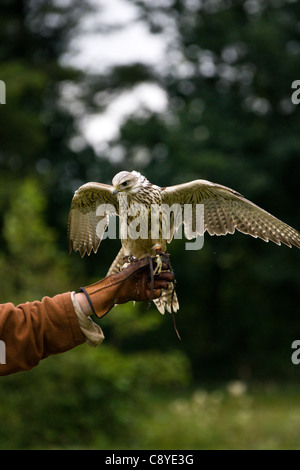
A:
{"points": [[35, 330]]}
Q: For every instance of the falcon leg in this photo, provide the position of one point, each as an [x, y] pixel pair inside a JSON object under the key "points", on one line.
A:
{"points": [[158, 267], [160, 258]]}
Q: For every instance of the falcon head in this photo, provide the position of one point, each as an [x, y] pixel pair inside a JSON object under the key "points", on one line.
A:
{"points": [[128, 181]]}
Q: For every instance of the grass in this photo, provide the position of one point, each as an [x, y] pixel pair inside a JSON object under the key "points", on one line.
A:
{"points": [[115, 402], [230, 417]]}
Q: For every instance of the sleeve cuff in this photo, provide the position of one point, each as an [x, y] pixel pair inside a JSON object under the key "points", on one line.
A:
{"points": [[92, 332]]}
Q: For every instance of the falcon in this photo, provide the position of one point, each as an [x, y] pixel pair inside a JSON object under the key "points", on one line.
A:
{"points": [[225, 211]]}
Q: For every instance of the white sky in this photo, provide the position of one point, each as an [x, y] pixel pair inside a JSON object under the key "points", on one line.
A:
{"points": [[94, 51], [101, 128], [129, 42]]}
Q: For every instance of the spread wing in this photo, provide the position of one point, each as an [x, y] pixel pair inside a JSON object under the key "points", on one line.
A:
{"points": [[226, 210], [89, 214]]}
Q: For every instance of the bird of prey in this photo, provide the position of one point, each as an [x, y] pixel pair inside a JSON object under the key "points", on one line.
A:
{"points": [[225, 211]]}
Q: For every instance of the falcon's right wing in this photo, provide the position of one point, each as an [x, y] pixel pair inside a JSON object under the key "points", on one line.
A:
{"points": [[87, 221], [226, 210]]}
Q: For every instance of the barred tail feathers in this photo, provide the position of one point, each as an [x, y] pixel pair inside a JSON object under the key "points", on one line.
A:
{"points": [[167, 301]]}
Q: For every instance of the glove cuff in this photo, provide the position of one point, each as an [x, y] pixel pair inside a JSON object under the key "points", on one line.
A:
{"points": [[101, 297]]}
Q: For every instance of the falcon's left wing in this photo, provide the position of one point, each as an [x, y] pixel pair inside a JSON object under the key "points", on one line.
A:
{"points": [[226, 210], [84, 230]]}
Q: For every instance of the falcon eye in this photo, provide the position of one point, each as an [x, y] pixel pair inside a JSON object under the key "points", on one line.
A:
{"points": [[125, 183]]}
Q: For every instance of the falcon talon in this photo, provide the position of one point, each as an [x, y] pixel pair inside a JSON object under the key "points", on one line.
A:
{"points": [[127, 260]]}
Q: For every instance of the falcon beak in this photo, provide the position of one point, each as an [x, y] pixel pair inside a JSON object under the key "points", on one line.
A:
{"points": [[115, 191]]}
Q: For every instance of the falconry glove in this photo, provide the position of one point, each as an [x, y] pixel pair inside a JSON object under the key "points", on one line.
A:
{"points": [[132, 283]]}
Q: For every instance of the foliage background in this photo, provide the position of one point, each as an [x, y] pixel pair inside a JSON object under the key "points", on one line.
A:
{"points": [[229, 119]]}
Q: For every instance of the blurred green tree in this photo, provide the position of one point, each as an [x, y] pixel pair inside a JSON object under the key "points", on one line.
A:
{"points": [[32, 262]]}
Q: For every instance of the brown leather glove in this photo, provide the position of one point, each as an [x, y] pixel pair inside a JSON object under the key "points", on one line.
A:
{"points": [[132, 283]]}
